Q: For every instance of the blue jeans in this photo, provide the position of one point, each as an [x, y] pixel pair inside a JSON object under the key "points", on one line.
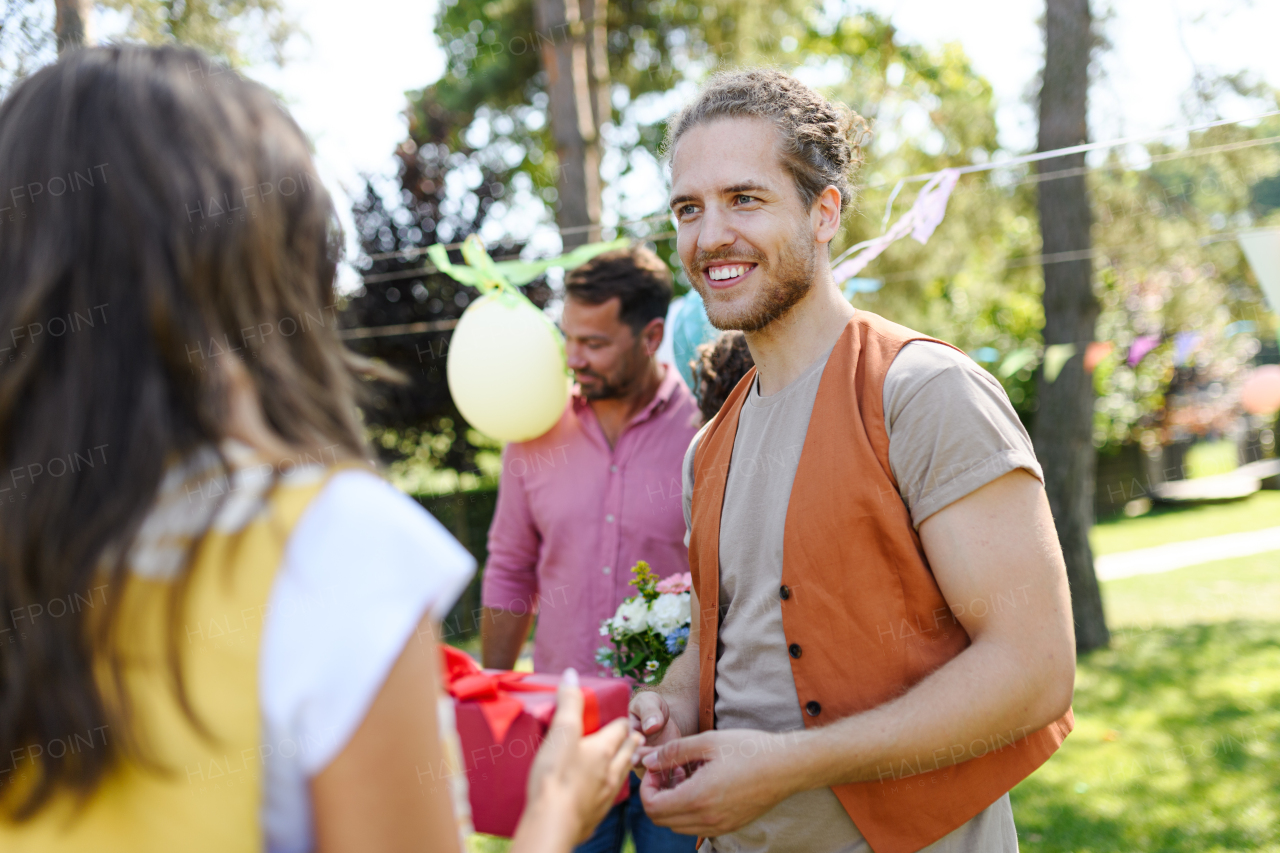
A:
{"points": [[629, 815]]}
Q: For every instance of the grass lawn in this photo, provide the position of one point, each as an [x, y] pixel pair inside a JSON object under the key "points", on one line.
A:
{"points": [[1205, 459], [1177, 740], [1175, 747], [1245, 588], [1178, 524]]}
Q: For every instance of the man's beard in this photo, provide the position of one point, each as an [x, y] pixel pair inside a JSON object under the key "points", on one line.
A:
{"points": [[786, 284], [620, 383]]}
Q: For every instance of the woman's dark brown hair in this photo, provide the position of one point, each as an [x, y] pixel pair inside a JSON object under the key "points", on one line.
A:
{"points": [[721, 364], [158, 212]]}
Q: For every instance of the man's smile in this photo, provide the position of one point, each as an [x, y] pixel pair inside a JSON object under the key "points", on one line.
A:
{"points": [[727, 273]]}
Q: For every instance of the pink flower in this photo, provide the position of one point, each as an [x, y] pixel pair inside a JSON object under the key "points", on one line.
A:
{"points": [[676, 583]]}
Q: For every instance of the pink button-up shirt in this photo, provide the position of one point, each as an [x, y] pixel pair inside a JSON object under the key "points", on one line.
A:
{"points": [[573, 517]]}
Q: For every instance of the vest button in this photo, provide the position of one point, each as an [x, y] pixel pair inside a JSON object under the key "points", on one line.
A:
{"points": [[813, 708], [784, 592], [794, 648]]}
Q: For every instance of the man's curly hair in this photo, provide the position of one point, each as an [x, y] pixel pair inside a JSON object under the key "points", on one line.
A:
{"points": [[821, 141], [717, 369]]}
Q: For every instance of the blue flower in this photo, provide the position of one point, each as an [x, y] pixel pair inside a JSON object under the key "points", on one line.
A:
{"points": [[677, 640]]}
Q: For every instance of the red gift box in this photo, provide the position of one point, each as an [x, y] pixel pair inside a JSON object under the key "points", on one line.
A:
{"points": [[502, 717]]}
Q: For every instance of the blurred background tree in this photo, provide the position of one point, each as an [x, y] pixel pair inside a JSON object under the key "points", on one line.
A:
{"points": [[238, 33], [483, 158]]}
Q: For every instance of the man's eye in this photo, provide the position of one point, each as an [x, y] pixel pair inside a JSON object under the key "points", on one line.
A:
{"points": [[745, 199], [687, 210]]}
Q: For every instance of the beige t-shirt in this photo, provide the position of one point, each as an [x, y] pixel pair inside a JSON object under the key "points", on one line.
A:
{"points": [[951, 430]]}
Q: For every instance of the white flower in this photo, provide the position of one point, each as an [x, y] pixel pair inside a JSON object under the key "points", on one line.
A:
{"points": [[632, 617], [669, 612], [605, 627]]}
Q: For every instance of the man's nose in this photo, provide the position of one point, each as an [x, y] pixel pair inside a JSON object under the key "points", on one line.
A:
{"points": [[575, 356], [715, 230]]}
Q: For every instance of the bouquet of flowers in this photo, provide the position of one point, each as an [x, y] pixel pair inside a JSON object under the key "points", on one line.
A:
{"points": [[650, 629]]}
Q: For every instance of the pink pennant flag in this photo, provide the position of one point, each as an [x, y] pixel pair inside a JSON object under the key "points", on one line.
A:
{"points": [[920, 222], [1140, 347]]}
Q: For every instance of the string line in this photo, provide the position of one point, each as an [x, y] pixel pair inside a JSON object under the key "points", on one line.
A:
{"points": [[924, 176]]}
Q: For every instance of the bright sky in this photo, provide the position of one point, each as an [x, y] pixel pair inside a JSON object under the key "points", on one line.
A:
{"points": [[346, 86]]}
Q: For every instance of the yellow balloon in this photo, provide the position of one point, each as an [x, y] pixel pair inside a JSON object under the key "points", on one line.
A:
{"points": [[506, 368]]}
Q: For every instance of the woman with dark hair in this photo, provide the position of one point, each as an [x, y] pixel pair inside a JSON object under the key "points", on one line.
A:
{"points": [[220, 622]]}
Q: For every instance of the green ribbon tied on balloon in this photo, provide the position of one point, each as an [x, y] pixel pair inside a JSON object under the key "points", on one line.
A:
{"points": [[504, 278]]}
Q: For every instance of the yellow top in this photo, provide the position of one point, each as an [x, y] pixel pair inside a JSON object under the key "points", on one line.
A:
{"points": [[206, 794]]}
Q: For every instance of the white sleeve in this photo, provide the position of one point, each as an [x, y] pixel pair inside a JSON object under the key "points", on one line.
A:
{"points": [[362, 566]]}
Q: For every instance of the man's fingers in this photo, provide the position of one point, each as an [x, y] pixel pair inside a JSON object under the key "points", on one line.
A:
{"points": [[671, 804], [686, 750], [647, 713]]}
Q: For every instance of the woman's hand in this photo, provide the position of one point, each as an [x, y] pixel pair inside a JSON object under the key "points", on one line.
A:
{"points": [[574, 779]]}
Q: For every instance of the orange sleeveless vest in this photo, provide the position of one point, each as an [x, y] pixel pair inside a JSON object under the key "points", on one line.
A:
{"points": [[858, 595]]}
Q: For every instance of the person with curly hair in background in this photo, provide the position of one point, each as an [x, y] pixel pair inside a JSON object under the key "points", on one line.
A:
{"points": [[719, 368]]}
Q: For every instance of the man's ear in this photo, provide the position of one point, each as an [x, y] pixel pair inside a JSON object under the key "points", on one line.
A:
{"points": [[651, 335], [825, 215]]}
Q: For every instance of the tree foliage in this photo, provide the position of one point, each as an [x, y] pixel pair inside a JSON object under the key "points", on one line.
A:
{"points": [[26, 39], [236, 32], [479, 159]]}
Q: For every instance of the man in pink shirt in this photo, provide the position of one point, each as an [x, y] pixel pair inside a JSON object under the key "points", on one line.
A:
{"points": [[579, 506]]}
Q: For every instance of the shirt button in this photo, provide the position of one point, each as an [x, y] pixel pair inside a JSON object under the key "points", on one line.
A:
{"points": [[784, 592], [609, 518], [794, 649], [613, 468], [813, 708], [606, 570]]}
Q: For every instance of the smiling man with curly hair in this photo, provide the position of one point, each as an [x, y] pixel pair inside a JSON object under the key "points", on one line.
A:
{"points": [[881, 641]]}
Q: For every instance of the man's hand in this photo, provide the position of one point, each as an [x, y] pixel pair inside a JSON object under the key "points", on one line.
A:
{"points": [[650, 716], [715, 782], [663, 714]]}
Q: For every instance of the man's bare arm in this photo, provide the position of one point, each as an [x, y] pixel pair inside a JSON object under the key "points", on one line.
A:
{"points": [[502, 635], [996, 545]]}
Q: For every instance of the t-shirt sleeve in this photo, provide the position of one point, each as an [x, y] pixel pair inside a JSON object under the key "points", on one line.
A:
{"points": [[951, 428], [362, 566]]}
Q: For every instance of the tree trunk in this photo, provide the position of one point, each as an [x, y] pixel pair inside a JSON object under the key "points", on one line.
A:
{"points": [[567, 57], [1063, 429], [596, 32], [71, 24]]}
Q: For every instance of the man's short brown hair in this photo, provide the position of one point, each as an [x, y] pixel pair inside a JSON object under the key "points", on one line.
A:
{"points": [[822, 141], [636, 276]]}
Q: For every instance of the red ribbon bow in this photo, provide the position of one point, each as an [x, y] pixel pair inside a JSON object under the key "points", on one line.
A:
{"points": [[467, 682]]}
